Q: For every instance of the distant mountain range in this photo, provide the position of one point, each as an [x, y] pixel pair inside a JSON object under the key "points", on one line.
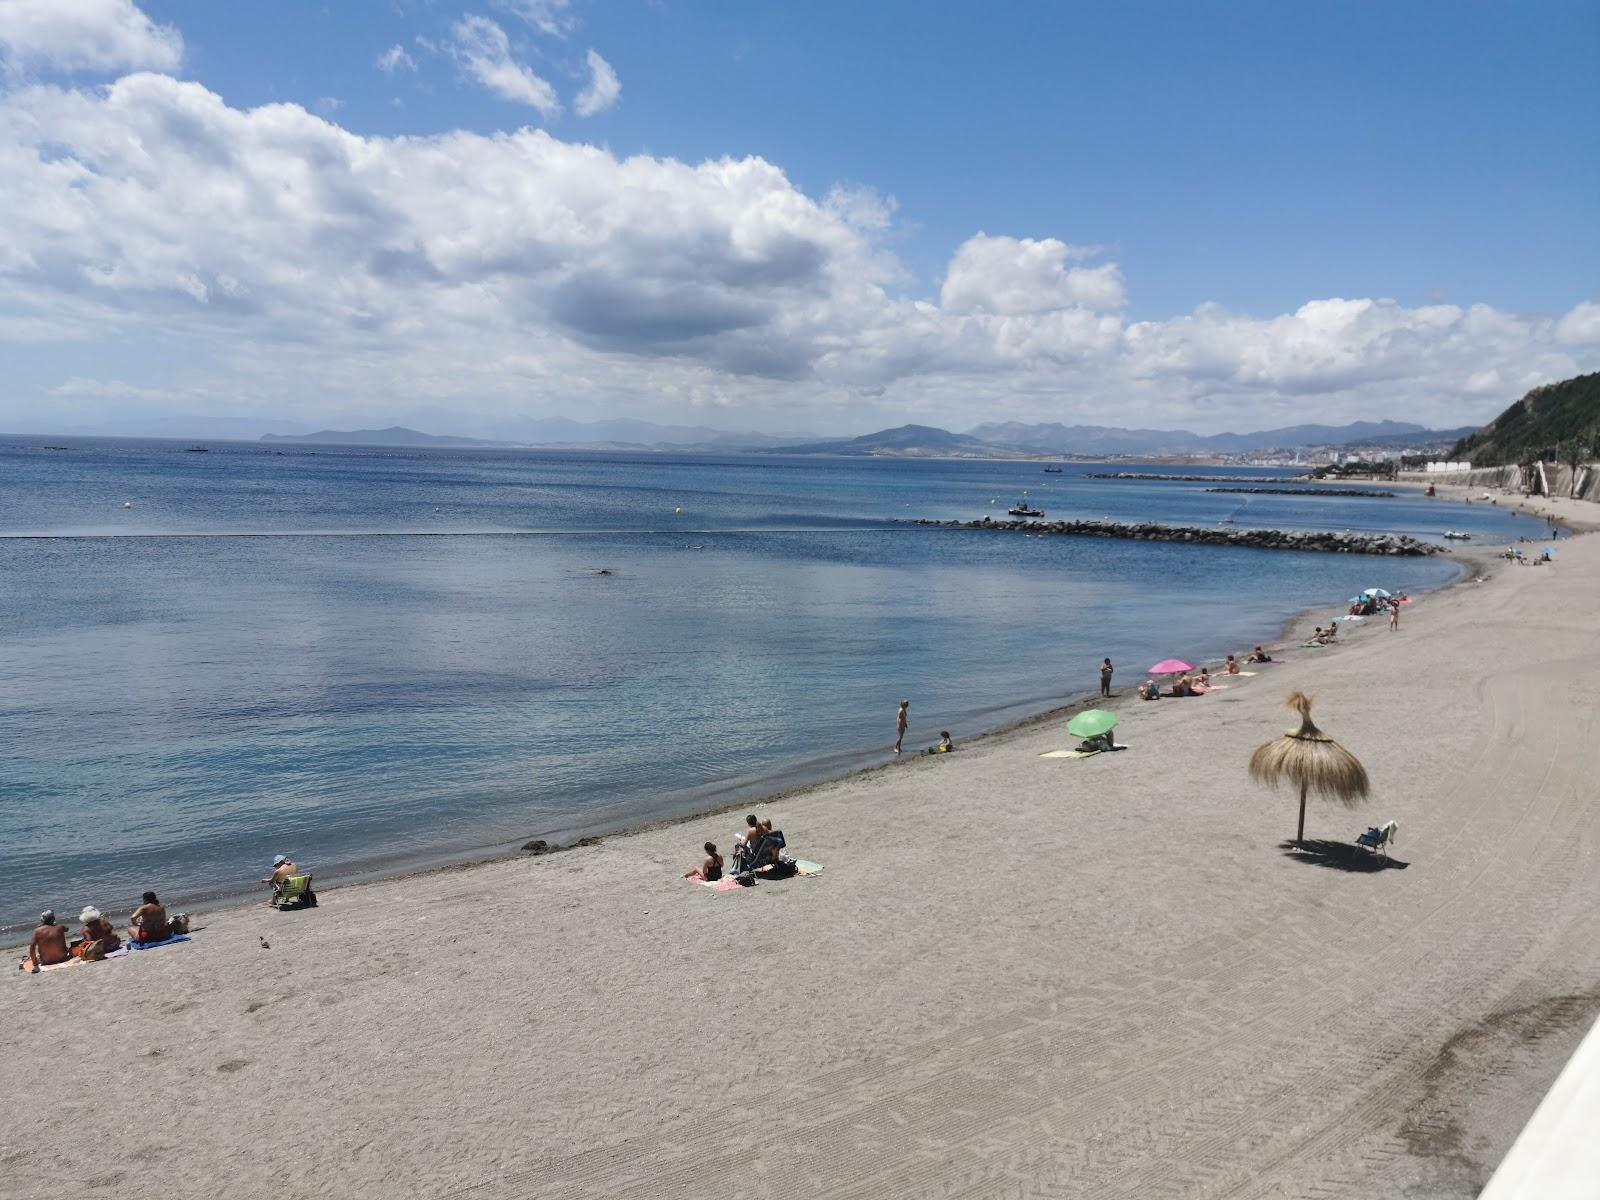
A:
{"points": [[395, 435], [1559, 421], [1103, 439], [1008, 439], [907, 441]]}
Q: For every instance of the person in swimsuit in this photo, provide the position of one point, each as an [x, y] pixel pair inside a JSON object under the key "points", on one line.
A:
{"points": [[99, 935], [284, 869], [1233, 665], [900, 725], [945, 744], [709, 871], [149, 922], [1149, 690], [48, 945], [1394, 616], [1105, 676]]}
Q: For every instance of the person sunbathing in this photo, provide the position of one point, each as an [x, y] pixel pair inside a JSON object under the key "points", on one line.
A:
{"points": [[1099, 742], [945, 744], [48, 946], [99, 935], [1258, 655], [1233, 665], [1203, 683], [1149, 690], [283, 869], [149, 921], [1183, 686], [710, 870]]}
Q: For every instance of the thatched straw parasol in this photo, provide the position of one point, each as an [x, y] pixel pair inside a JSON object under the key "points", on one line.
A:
{"points": [[1311, 759]]}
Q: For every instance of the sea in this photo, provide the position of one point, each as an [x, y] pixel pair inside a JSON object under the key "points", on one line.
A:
{"points": [[376, 660]]}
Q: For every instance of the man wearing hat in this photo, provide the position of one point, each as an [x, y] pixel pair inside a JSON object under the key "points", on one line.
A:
{"points": [[282, 868], [49, 944]]}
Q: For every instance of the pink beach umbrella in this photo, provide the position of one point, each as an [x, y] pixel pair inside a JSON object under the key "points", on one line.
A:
{"points": [[1171, 666]]}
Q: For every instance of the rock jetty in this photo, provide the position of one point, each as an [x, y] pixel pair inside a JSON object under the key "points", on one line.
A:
{"points": [[1307, 491], [1196, 478], [1257, 539]]}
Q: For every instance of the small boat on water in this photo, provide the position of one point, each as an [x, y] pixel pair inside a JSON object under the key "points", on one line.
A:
{"points": [[1022, 510], [198, 450], [1051, 471], [1456, 536]]}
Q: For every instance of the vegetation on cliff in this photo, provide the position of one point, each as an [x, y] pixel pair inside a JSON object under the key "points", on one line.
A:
{"points": [[1559, 422]]}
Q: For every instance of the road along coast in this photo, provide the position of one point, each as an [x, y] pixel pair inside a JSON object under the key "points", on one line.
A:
{"points": [[1097, 976]]}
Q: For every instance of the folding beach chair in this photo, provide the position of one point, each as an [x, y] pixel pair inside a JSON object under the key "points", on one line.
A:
{"points": [[295, 893], [1377, 838]]}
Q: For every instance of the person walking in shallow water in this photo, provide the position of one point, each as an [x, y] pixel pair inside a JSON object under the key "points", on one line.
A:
{"points": [[900, 725], [1105, 676]]}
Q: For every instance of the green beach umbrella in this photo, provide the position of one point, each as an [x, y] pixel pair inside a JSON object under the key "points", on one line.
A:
{"points": [[1092, 722]]}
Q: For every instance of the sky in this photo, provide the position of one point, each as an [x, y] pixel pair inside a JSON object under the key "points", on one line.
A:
{"points": [[820, 217]]}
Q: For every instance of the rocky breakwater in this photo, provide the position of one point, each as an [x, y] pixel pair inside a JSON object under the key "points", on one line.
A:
{"points": [[1307, 491], [1194, 478], [1256, 539]]}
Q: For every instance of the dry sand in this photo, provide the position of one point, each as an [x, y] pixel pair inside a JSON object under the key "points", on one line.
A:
{"points": [[1019, 976]]}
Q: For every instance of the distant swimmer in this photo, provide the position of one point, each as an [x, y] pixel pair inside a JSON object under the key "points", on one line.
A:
{"points": [[127, 504], [603, 571]]}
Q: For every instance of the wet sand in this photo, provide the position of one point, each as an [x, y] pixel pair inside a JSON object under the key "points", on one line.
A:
{"points": [[1017, 976]]}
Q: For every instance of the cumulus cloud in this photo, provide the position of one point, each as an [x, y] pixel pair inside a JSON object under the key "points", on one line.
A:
{"points": [[85, 35], [483, 51], [395, 59], [603, 90], [1020, 275], [322, 267], [1581, 326]]}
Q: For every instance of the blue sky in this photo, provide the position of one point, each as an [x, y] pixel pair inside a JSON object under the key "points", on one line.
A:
{"points": [[1435, 166]]}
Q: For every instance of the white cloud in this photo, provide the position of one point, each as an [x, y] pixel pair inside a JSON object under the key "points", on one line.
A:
{"points": [[317, 269], [85, 35], [603, 90], [1020, 275], [550, 17], [395, 59], [1581, 326], [482, 49]]}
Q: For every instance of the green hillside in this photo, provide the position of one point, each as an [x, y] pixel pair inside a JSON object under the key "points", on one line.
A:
{"points": [[1548, 423]]}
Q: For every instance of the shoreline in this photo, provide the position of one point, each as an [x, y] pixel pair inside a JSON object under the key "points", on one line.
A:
{"points": [[1017, 972], [786, 783]]}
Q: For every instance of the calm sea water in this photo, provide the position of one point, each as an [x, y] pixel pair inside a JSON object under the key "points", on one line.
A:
{"points": [[366, 657]]}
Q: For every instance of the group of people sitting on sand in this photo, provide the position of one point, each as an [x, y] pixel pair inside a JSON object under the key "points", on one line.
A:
{"points": [[1200, 683], [1186, 684], [1514, 553], [98, 937], [755, 850]]}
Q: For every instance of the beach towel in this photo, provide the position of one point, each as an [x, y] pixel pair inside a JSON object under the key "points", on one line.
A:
{"points": [[1244, 674], [729, 884], [177, 937], [73, 962], [726, 884], [1080, 753]]}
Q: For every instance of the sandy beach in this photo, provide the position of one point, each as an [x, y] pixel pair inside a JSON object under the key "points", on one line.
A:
{"points": [[1017, 976]]}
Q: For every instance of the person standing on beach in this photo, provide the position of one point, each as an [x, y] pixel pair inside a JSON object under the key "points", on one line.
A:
{"points": [[900, 725], [1394, 616], [1105, 676]]}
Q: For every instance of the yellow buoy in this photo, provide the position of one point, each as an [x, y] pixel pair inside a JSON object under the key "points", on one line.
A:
{"points": [[678, 509]]}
